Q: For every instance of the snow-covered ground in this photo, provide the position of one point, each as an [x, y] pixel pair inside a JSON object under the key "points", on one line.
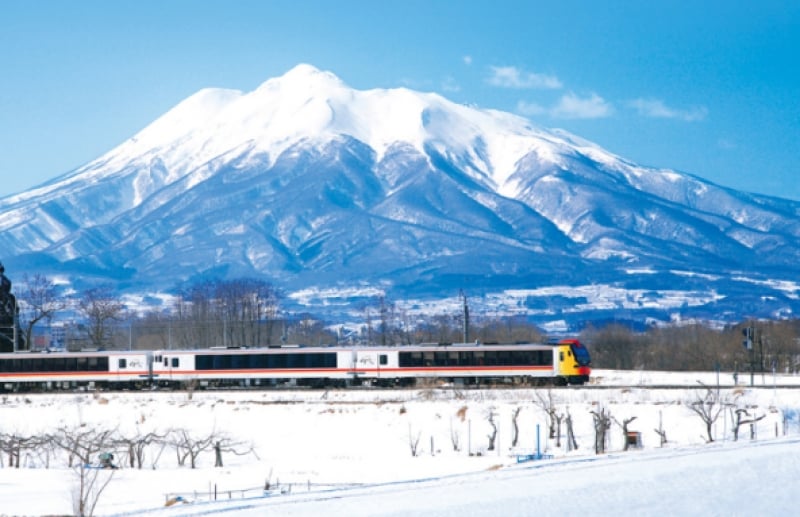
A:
{"points": [[348, 452]]}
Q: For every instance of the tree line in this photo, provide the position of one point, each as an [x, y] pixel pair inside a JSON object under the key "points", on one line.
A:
{"points": [[248, 312], [699, 347]]}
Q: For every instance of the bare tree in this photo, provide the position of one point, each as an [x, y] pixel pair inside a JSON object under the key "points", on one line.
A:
{"points": [[188, 446], [662, 434], [14, 444], [89, 485], [515, 426], [413, 441], [239, 312], [100, 308], [547, 404], [82, 442], [226, 444], [493, 435], [38, 301], [572, 444], [602, 423], [708, 407], [614, 346], [248, 309], [740, 417], [455, 437], [136, 444]]}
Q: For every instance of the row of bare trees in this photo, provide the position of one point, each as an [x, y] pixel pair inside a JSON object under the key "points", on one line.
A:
{"points": [[84, 444], [88, 451], [242, 312]]}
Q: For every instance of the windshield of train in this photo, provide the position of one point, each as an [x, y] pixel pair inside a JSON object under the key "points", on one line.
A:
{"points": [[581, 354]]}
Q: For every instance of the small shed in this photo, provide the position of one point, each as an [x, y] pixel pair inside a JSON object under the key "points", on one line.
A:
{"points": [[633, 440]]}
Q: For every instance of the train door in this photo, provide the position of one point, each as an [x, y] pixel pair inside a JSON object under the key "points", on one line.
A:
{"points": [[367, 364], [563, 361], [170, 367], [150, 360]]}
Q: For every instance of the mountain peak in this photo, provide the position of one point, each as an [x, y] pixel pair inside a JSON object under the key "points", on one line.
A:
{"points": [[304, 76]]}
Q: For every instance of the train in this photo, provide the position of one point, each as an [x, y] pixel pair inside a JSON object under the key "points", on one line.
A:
{"points": [[560, 363]]}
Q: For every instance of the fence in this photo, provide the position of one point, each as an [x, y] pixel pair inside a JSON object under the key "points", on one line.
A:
{"points": [[215, 494]]}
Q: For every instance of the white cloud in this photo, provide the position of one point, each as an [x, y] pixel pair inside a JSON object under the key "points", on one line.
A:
{"points": [[657, 109], [512, 77], [449, 84], [573, 106], [724, 143], [467, 60], [530, 108]]}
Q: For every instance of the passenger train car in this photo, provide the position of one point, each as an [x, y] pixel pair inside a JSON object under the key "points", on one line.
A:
{"points": [[566, 362]]}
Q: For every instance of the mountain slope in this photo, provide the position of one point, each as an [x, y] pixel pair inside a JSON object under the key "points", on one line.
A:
{"points": [[311, 183]]}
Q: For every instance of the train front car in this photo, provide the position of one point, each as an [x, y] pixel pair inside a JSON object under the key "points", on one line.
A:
{"points": [[573, 361], [477, 363]]}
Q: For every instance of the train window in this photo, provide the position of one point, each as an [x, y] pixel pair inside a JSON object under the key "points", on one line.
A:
{"points": [[278, 361], [383, 359], [292, 360], [256, 361], [123, 364], [427, 359], [505, 358], [326, 360], [561, 356], [175, 362], [581, 354], [222, 362], [238, 362], [518, 358], [407, 359]]}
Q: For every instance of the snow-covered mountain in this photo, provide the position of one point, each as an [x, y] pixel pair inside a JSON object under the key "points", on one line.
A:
{"points": [[312, 184]]}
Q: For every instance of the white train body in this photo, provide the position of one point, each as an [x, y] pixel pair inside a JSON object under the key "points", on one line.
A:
{"points": [[297, 365]]}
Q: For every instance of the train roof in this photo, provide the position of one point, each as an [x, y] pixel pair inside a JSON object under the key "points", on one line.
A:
{"points": [[423, 347]]}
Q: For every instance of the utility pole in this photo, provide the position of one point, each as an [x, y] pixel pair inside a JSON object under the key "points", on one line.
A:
{"points": [[465, 330], [749, 334]]}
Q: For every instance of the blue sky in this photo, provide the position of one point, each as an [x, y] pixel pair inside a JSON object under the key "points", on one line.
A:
{"points": [[710, 88]]}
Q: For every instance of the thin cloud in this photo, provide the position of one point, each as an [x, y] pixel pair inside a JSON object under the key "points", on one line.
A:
{"points": [[467, 60], [724, 143], [530, 108], [512, 77], [657, 109], [449, 84], [573, 106]]}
